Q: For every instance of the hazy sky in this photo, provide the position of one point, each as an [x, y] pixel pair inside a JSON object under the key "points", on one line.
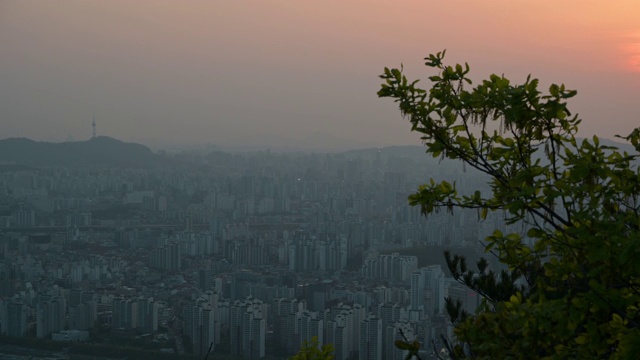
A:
{"points": [[266, 72]]}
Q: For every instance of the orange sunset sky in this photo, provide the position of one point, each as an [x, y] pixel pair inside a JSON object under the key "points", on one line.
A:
{"points": [[270, 73]]}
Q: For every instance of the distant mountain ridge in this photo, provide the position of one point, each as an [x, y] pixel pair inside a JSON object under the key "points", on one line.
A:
{"points": [[107, 151], [99, 151], [318, 142]]}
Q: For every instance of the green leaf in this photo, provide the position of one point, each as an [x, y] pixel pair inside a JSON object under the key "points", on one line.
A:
{"points": [[568, 289]]}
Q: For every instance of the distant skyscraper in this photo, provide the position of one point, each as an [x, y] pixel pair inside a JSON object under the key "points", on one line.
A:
{"points": [[50, 316], [371, 339], [434, 276], [200, 325], [14, 316], [418, 285], [248, 328], [205, 279], [397, 331], [125, 314]]}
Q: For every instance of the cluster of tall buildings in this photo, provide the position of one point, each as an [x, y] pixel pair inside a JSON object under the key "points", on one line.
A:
{"points": [[358, 323], [13, 317], [388, 266], [200, 326], [256, 253], [353, 330], [328, 253], [167, 257], [83, 309], [51, 312], [139, 314], [428, 285], [248, 328]]}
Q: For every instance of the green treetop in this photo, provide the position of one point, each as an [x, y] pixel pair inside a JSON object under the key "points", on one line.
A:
{"points": [[313, 351], [573, 291]]}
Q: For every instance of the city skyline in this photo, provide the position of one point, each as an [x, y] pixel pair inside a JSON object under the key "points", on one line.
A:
{"points": [[209, 179], [248, 254]]}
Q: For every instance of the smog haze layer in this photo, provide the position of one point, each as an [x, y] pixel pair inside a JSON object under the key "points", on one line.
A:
{"points": [[291, 73]]}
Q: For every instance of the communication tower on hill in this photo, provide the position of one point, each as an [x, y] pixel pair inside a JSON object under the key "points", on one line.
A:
{"points": [[93, 125]]}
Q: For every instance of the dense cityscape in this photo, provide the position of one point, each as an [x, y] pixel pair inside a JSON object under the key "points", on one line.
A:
{"points": [[319, 180], [241, 254]]}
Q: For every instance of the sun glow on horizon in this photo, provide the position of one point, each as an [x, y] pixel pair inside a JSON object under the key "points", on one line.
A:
{"points": [[631, 52], [273, 67]]}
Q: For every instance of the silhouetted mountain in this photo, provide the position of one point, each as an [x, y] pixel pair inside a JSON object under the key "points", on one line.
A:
{"points": [[418, 152], [102, 151]]}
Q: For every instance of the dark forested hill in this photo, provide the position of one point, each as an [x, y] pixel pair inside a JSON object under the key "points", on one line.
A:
{"points": [[99, 151]]}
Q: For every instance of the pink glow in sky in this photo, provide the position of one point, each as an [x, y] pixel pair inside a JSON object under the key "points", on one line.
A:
{"points": [[631, 52], [269, 72]]}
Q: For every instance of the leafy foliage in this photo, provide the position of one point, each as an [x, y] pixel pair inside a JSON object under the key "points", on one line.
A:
{"points": [[571, 287], [411, 348], [312, 351]]}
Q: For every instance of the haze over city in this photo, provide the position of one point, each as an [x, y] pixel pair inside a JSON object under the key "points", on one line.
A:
{"points": [[283, 73], [239, 180]]}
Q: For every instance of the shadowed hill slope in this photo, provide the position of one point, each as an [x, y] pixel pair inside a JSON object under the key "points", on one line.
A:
{"points": [[99, 151]]}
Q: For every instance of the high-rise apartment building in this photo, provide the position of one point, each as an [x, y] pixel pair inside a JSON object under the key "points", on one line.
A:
{"points": [[371, 338]]}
